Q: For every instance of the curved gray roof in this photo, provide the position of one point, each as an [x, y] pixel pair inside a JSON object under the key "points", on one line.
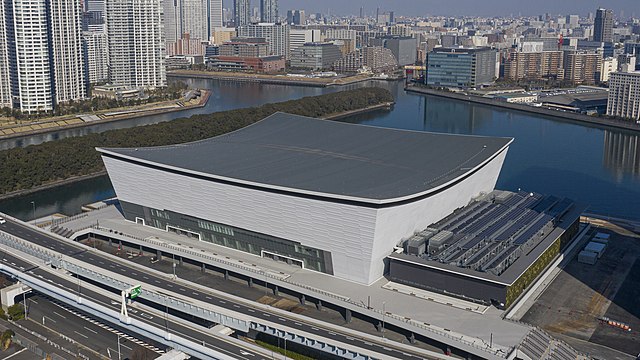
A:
{"points": [[327, 158]]}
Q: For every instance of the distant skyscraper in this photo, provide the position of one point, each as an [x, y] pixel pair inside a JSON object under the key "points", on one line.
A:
{"points": [[241, 12], [215, 15], [68, 61], [172, 20], [296, 17], [195, 19], [603, 26], [41, 60], [96, 55], [5, 80], [269, 11], [136, 43]]}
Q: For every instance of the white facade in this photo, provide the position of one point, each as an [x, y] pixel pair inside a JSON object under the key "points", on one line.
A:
{"points": [[358, 237], [299, 37], [195, 20], [5, 81], [135, 33], [609, 65], [216, 19], [68, 60], [33, 87], [172, 20], [624, 95], [277, 35], [97, 49]]}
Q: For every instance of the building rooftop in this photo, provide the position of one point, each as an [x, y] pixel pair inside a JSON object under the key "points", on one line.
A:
{"points": [[301, 155], [497, 237]]}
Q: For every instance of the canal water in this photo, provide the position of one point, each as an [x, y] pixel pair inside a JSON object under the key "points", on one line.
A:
{"points": [[597, 167]]}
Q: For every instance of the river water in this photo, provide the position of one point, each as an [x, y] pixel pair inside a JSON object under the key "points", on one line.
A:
{"points": [[597, 167]]}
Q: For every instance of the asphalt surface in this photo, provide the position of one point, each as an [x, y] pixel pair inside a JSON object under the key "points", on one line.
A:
{"points": [[96, 336], [158, 322], [107, 264]]}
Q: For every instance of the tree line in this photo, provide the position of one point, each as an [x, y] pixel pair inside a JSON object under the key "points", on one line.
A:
{"points": [[28, 167]]}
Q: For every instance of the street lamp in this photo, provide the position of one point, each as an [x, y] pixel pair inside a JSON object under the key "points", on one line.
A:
{"points": [[33, 203]]}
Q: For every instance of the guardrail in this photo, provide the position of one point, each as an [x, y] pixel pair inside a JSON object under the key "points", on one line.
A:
{"points": [[406, 320]]}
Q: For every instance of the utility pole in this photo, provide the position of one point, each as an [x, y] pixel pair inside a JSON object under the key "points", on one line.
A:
{"points": [[119, 356]]}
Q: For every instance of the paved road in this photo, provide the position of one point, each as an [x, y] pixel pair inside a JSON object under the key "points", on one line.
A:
{"points": [[84, 330], [103, 262], [158, 322]]}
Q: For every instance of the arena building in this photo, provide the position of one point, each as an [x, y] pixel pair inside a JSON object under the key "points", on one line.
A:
{"points": [[327, 196]]}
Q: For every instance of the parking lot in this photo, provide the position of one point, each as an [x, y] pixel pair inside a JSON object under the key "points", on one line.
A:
{"points": [[573, 305]]}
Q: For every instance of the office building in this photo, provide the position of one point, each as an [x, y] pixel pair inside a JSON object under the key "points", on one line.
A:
{"points": [[461, 68], [405, 49], [96, 49], [603, 26], [241, 13], [42, 62], [135, 33], [627, 63], [315, 56], [265, 64], [624, 95], [277, 35], [572, 21], [336, 205], [296, 17], [299, 37], [245, 47], [269, 11], [216, 18], [348, 35]]}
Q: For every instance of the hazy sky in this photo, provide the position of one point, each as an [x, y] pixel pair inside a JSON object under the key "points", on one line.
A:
{"points": [[460, 7]]}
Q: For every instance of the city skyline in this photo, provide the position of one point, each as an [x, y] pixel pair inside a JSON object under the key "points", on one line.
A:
{"points": [[461, 8]]}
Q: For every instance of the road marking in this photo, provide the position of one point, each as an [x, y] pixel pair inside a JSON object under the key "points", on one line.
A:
{"points": [[15, 353], [83, 335], [62, 316], [93, 331]]}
